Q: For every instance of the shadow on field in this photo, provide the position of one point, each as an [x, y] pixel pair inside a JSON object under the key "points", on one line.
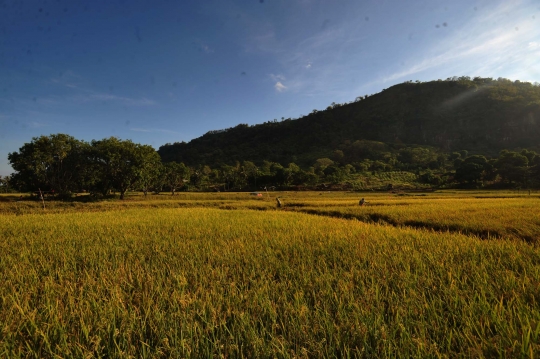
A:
{"points": [[387, 220]]}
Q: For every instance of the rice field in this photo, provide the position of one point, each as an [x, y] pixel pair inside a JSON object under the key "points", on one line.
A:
{"points": [[229, 275], [489, 217]]}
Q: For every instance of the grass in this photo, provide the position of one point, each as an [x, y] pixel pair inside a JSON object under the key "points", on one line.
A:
{"points": [[485, 217], [207, 275]]}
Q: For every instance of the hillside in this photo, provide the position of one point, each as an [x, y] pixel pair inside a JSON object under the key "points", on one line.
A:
{"points": [[481, 115]]}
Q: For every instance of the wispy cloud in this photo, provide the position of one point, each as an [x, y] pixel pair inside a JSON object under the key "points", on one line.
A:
{"points": [[206, 49], [128, 101], [153, 130], [74, 82], [495, 47], [479, 47], [35, 124], [202, 47], [280, 87], [55, 101], [277, 77], [331, 48], [69, 79]]}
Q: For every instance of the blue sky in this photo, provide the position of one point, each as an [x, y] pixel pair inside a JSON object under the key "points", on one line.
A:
{"points": [[164, 71]]}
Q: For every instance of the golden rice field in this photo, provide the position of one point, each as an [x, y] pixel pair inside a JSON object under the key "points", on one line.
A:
{"points": [[485, 217], [443, 275]]}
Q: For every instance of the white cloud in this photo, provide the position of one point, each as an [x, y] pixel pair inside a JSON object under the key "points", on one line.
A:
{"points": [[533, 45], [280, 87], [279, 79]]}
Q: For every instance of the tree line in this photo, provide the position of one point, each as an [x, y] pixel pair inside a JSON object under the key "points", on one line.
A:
{"points": [[62, 165]]}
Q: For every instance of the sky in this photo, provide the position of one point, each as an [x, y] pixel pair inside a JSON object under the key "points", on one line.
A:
{"points": [[159, 71]]}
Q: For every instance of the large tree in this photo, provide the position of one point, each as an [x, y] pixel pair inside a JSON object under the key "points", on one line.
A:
{"points": [[121, 163], [49, 162]]}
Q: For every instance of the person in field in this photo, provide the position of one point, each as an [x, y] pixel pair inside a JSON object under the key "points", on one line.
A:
{"points": [[362, 202]]}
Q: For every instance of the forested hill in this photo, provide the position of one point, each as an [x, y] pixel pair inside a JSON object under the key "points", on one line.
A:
{"points": [[480, 115]]}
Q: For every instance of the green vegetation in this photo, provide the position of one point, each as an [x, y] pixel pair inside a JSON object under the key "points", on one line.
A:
{"points": [[61, 165], [226, 274], [481, 115], [462, 132]]}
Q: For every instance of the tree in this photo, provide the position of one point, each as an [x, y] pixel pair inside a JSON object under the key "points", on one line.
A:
{"points": [[250, 171], [160, 180], [229, 176], [415, 157], [151, 171], [335, 174], [472, 169], [307, 177], [512, 166], [279, 174], [200, 176], [5, 184], [531, 155], [337, 156], [239, 178], [49, 162], [534, 168], [175, 175], [322, 163], [293, 174], [214, 178], [378, 166], [122, 163]]}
